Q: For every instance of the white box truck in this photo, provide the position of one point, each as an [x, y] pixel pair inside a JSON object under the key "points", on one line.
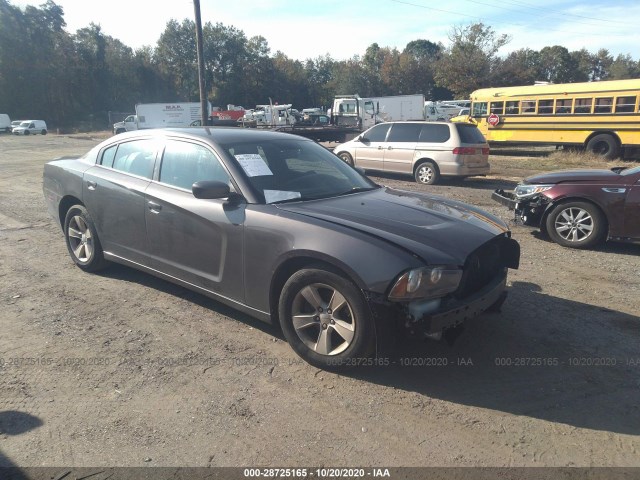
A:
{"points": [[5, 123], [162, 115], [398, 108]]}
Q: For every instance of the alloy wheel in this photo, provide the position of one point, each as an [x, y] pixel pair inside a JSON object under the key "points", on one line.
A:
{"points": [[323, 319]]}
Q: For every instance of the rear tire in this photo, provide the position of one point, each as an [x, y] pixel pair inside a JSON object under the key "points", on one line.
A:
{"points": [[604, 145], [82, 240], [43, 132], [346, 158], [576, 225], [427, 173]]}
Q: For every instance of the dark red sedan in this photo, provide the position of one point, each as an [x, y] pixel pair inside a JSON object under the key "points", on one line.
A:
{"points": [[579, 208]]}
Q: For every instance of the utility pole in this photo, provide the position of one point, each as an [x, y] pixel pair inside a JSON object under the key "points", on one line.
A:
{"points": [[203, 94]]}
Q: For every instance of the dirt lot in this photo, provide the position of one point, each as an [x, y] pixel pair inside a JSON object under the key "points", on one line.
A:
{"points": [[124, 369]]}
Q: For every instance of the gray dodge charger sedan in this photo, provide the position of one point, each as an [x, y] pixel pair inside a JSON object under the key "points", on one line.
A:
{"points": [[280, 228]]}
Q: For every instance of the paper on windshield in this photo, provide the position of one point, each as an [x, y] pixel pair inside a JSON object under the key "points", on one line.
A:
{"points": [[271, 196], [253, 164]]}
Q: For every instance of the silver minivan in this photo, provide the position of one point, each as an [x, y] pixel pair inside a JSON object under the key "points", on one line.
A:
{"points": [[426, 150]]}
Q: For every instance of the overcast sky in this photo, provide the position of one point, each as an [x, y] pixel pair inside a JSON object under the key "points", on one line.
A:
{"points": [[342, 28]]}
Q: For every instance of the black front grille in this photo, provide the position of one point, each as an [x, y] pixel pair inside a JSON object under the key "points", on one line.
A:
{"points": [[482, 266]]}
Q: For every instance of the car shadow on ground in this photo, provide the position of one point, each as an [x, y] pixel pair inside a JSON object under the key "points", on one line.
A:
{"points": [[480, 183], [15, 423], [127, 274], [613, 247], [543, 357]]}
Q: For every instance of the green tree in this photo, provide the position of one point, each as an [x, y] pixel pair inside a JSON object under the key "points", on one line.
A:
{"points": [[469, 62]]}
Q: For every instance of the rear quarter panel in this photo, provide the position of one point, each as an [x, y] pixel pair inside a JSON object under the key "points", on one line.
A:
{"points": [[62, 179]]}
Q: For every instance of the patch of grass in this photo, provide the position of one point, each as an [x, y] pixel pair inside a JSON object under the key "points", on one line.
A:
{"points": [[528, 163]]}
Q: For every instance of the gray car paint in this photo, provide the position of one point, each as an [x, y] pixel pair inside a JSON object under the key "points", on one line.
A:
{"points": [[250, 242]]}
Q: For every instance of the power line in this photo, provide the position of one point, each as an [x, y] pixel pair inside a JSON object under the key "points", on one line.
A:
{"points": [[551, 12], [560, 12], [511, 23]]}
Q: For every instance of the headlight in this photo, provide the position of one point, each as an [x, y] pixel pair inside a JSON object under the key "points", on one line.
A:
{"points": [[529, 190], [426, 282]]}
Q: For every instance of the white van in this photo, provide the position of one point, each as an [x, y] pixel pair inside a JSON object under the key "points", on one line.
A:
{"points": [[5, 123], [28, 127]]}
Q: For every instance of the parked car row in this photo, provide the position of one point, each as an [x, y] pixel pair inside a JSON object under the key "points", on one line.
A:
{"points": [[577, 208], [22, 127], [276, 226]]}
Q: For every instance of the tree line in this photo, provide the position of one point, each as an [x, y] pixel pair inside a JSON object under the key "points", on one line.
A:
{"points": [[75, 79]]}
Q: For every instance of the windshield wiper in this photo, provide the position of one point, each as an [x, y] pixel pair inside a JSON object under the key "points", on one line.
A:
{"points": [[356, 190], [287, 200]]}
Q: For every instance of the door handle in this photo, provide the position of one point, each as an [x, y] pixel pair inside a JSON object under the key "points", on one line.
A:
{"points": [[380, 147], [154, 207], [91, 185], [389, 148]]}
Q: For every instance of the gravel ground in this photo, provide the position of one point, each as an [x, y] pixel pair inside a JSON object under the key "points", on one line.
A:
{"points": [[125, 369]]}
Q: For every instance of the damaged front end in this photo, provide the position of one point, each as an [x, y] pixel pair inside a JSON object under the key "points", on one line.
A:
{"points": [[480, 288], [527, 202]]}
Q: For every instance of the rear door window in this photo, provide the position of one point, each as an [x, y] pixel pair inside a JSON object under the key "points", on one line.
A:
{"points": [[469, 134], [404, 132], [136, 157], [185, 163], [434, 133]]}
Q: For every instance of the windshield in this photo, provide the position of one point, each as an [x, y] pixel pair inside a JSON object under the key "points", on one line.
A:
{"points": [[25, 124], [294, 170]]}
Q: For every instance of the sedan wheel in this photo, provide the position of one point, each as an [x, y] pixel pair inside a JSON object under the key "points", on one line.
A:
{"points": [[576, 224], [325, 319], [82, 240]]}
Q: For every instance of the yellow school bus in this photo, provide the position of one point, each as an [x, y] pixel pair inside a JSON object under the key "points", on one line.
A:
{"points": [[602, 117]]}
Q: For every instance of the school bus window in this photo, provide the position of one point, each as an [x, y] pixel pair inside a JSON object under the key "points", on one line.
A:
{"points": [[625, 104], [545, 107], [603, 105], [513, 108], [563, 106], [497, 108], [528, 106], [583, 105], [479, 109]]}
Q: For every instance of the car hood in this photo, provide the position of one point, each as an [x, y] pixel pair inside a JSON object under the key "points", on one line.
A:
{"points": [[439, 230], [572, 175]]}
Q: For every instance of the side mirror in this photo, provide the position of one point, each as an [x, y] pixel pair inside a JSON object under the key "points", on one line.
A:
{"points": [[210, 189]]}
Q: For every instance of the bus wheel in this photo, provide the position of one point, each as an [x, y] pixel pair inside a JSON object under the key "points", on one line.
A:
{"points": [[604, 145]]}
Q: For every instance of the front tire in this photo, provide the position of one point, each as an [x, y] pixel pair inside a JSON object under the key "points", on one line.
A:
{"points": [[82, 240], [427, 173], [326, 320], [43, 132], [576, 225]]}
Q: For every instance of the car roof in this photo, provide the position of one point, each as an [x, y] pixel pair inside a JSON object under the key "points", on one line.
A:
{"points": [[213, 134]]}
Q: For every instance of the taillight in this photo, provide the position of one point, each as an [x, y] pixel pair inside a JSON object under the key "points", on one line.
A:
{"points": [[485, 151], [464, 151]]}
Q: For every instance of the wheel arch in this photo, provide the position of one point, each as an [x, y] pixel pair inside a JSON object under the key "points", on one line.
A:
{"points": [[65, 204], [595, 133], [552, 205], [305, 260], [420, 160]]}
